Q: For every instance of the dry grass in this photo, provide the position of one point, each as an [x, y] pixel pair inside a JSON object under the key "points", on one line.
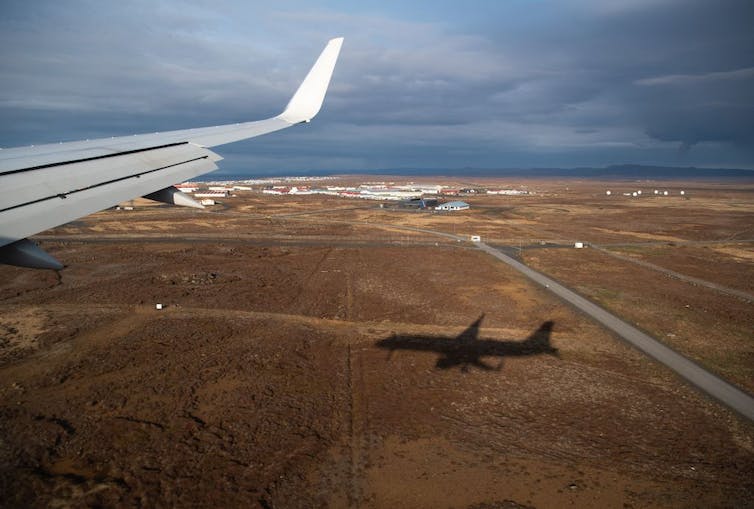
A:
{"points": [[262, 384]]}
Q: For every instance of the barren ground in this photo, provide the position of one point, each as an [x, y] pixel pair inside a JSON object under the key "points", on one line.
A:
{"points": [[263, 382]]}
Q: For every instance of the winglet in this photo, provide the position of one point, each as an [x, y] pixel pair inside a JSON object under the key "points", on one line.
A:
{"points": [[307, 100]]}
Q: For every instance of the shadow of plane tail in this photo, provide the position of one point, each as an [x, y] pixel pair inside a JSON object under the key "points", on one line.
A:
{"points": [[539, 341]]}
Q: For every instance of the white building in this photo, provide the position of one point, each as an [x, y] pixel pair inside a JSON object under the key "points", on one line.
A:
{"points": [[277, 190], [509, 192], [453, 205], [211, 195]]}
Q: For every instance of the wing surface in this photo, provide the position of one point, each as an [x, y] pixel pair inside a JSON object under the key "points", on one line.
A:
{"points": [[49, 185]]}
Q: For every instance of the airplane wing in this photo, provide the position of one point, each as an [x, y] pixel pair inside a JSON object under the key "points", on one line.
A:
{"points": [[48, 185]]}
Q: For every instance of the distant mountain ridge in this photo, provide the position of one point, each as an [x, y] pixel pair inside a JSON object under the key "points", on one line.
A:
{"points": [[618, 171], [642, 171]]}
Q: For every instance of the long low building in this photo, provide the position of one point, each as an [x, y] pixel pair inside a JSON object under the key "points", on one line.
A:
{"points": [[453, 205], [212, 195]]}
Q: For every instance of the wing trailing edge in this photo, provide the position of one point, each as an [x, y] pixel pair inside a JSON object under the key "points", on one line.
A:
{"points": [[35, 205]]}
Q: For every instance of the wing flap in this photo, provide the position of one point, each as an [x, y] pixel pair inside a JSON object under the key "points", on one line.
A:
{"points": [[37, 184], [48, 208]]}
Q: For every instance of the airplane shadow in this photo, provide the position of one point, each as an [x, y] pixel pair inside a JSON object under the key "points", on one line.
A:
{"points": [[467, 349]]}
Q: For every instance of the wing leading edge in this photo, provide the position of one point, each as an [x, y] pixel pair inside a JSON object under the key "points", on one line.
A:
{"points": [[49, 185]]}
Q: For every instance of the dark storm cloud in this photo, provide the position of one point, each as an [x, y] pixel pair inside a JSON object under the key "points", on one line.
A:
{"points": [[684, 71], [626, 61], [520, 83], [716, 106]]}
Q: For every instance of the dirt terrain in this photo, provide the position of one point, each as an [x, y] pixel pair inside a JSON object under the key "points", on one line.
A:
{"points": [[315, 353]]}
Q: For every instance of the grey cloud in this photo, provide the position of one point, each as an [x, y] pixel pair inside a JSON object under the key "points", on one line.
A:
{"points": [[584, 81], [683, 79]]}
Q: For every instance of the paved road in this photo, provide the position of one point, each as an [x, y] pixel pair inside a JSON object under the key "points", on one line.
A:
{"points": [[677, 275], [716, 387], [272, 240], [526, 244], [515, 252], [646, 243]]}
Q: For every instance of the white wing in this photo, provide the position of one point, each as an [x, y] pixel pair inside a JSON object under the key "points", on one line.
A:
{"points": [[49, 185]]}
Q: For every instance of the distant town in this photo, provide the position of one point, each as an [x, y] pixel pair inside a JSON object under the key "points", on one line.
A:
{"points": [[421, 195]]}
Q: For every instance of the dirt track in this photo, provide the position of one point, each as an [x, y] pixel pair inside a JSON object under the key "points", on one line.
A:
{"points": [[262, 383]]}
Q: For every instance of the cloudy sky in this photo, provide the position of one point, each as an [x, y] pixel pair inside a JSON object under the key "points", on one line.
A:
{"points": [[420, 84]]}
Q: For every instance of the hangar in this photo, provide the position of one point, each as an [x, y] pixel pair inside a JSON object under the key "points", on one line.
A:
{"points": [[453, 205]]}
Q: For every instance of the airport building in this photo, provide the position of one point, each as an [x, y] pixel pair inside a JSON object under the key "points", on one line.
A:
{"points": [[509, 192], [276, 190], [187, 187], [453, 205], [418, 203], [212, 194]]}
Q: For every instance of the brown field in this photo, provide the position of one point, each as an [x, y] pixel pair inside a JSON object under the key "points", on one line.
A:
{"points": [[263, 382]]}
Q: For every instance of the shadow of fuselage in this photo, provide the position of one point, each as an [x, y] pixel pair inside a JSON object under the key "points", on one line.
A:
{"points": [[467, 349]]}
